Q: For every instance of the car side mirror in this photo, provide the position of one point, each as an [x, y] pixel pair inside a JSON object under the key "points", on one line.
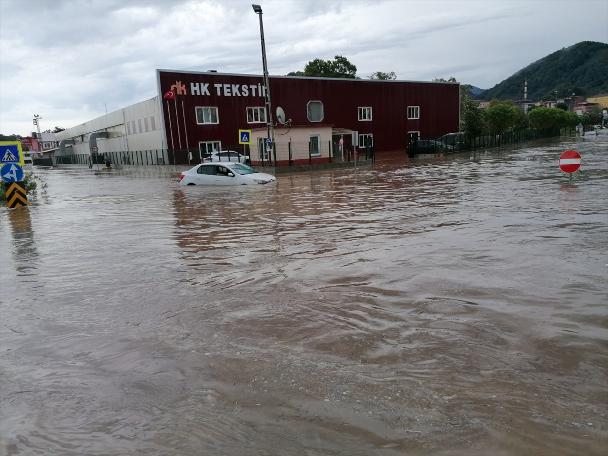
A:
{"points": [[231, 174]]}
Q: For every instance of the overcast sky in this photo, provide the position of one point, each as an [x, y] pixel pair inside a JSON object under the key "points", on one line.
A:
{"points": [[68, 60]]}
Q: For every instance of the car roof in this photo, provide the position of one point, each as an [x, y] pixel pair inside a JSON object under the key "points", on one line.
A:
{"points": [[224, 164]]}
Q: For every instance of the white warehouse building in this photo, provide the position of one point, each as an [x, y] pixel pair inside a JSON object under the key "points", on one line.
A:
{"points": [[135, 128]]}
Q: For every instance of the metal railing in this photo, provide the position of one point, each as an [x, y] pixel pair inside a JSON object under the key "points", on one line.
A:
{"points": [[463, 143], [289, 153]]}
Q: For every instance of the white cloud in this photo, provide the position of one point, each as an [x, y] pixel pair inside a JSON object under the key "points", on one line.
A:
{"points": [[66, 59]]}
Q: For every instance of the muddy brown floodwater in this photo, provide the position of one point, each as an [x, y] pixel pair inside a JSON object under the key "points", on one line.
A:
{"points": [[443, 306]]}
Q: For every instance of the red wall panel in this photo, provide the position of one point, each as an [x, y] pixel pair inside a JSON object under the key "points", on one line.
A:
{"points": [[439, 106]]}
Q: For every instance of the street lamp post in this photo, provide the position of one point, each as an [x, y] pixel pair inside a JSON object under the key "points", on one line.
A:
{"points": [[258, 10]]}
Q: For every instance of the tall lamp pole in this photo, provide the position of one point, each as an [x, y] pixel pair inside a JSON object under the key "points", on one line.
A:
{"points": [[257, 9]]}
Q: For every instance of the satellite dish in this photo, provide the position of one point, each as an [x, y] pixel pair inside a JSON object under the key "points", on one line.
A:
{"points": [[280, 115]]}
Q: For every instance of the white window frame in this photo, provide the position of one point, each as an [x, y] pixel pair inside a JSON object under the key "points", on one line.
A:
{"points": [[414, 131], [217, 115], [363, 135], [415, 112], [263, 153], [322, 110], [256, 110], [318, 142], [364, 113], [206, 143], [128, 128], [146, 126], [139, 123], [152, 123]]}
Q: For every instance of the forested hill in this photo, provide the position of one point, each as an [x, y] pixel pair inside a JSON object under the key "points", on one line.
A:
{"points": [[581, 69]]}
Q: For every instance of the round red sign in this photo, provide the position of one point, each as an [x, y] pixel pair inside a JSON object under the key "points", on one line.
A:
{"points": [[570, 161]]}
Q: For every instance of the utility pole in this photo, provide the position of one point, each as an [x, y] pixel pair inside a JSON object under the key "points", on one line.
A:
{"points": [[270, 128], [36, 122]]}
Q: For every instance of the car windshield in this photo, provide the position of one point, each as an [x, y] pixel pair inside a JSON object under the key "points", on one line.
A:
{"points": [[243, 169]]}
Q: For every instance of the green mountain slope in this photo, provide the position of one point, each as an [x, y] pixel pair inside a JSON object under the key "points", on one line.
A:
{"points": [[580, 69]]}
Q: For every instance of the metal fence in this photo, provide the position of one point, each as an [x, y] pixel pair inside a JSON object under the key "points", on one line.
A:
{"points": [[284, 154], [463, 143]]}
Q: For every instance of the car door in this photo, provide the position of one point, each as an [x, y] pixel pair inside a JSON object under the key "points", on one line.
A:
{"points": [[205, 174], [224, 176]]}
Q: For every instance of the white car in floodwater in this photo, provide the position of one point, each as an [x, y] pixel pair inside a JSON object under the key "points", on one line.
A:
{"points": [[225, 173]]}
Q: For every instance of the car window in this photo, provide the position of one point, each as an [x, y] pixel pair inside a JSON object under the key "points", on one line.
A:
{"points": [[207, 169], [222, 171], [243, 169]]}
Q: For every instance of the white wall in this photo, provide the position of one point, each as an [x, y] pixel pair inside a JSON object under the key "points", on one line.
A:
{"points": [[122, 136]]}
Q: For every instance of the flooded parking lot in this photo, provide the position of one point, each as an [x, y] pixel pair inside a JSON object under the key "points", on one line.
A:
{"points": [[440, 306]]}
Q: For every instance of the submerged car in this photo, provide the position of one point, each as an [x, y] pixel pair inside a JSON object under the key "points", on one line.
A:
{"points": [[225, 156], [224, 174]]}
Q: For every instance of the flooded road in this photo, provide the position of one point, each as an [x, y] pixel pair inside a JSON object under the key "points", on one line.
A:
{"points": [[442, 306]]}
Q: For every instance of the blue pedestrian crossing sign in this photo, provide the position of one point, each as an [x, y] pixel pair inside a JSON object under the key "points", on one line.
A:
{"points": [[244, 136], [11, 172], [10, 152]]}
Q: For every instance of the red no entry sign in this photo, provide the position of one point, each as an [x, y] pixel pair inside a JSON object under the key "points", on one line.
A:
{"points": [[570, 161]]}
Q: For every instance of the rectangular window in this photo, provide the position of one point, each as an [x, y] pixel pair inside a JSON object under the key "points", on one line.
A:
{"points": [[146, 123], [364, 113], [366, 139], [206, 115], [133, 129], [413, 135], [314, 146], [256, 114], [128, 128], [139, 123], [413, 112], [206, 148], [153, 123], [263, 151]]}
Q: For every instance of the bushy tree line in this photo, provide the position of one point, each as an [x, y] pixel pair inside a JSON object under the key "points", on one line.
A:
{"points": [[504, 116]]}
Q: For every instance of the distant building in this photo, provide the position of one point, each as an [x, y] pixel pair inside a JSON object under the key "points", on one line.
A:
{"points": [[601, 100], [584, 107], [45, 142]]}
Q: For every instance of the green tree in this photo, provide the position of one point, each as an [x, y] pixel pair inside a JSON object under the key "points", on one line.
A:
{"points": [[562, 106], [339, 67], [472, 117], [521, 121], [592, 118], [552, 118], [500, 116], [382, 76]]}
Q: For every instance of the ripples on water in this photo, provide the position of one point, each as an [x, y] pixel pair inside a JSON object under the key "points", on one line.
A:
{"points": [[445, 306]]}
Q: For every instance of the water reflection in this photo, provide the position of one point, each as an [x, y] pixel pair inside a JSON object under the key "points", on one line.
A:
{"points": [[24, 249]]}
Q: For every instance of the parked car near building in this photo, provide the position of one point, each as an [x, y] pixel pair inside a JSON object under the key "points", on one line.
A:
{"points": [[430, 146], [225, 156], [228, 173], [454, 140]]}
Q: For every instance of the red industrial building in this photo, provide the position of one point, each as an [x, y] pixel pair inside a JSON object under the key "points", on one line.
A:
{"points": [[210, 108], [325, 119]]}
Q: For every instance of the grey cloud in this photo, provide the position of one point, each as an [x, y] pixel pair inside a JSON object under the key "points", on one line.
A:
{"points": [[85, 53]]}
